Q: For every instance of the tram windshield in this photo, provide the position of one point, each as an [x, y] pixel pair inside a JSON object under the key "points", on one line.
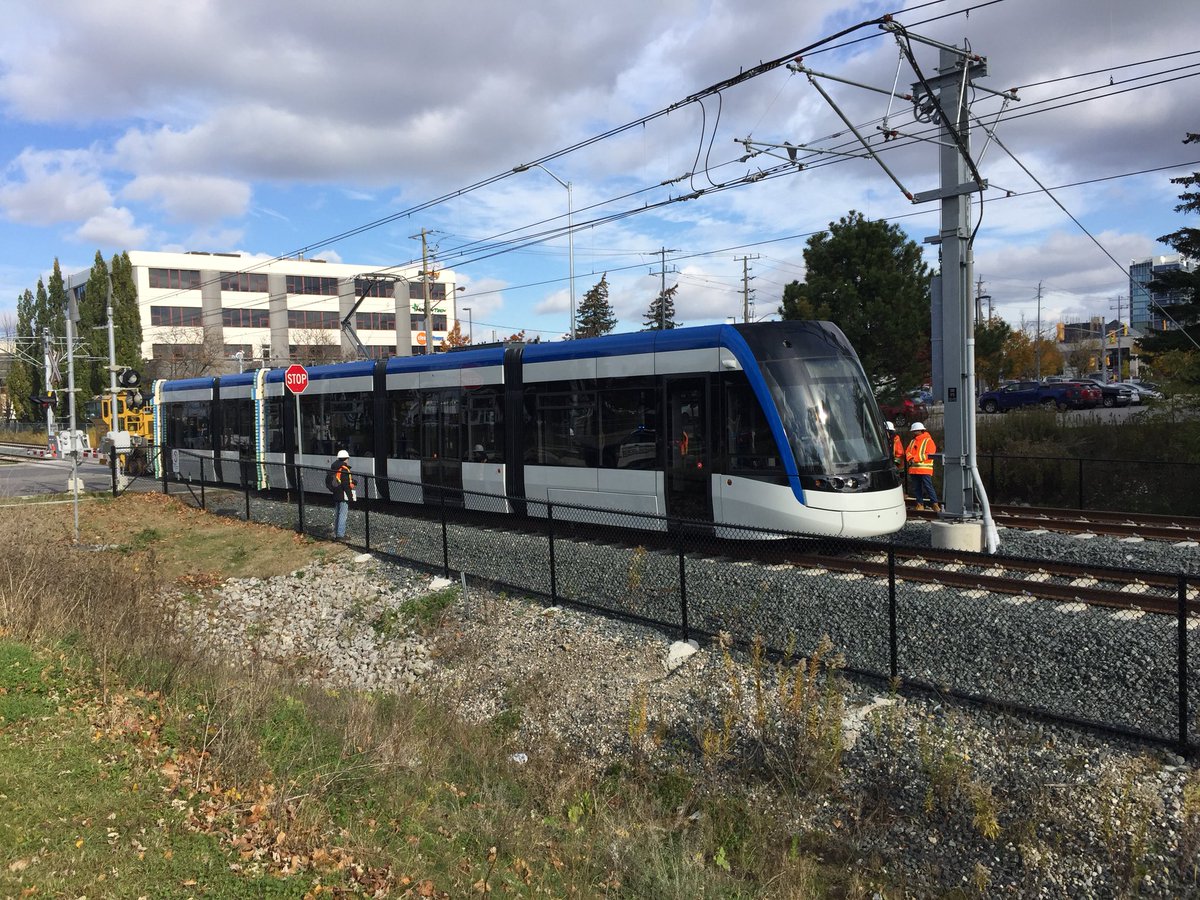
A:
{"points": [[828, 412]]}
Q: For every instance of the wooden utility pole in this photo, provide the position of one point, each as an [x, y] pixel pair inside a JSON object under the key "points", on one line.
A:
{"points": [[746, 285]]}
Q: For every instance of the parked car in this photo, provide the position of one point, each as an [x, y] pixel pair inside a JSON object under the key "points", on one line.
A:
{"points": [[1148, 388], [1060, 395], [1140, 392], [903, 411], [1111, 394]]}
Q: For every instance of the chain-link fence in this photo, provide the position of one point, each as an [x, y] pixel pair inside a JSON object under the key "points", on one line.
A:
{"points": [[1125, 670]]}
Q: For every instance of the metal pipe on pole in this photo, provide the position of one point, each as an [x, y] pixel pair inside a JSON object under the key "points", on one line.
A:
{"points": [[570, 233]]}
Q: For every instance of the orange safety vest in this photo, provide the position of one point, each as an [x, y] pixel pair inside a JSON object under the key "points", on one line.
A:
{"points": [[897, 451], [920, 454]]}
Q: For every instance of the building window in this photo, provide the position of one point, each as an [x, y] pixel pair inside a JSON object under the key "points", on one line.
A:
{"points": [[417, 323], [246, 318], [175, 279], [252, 282], [312, 319], [439, 322], [310, 284], [375, 321], [416, 290], [175, 315], [371, 288]]}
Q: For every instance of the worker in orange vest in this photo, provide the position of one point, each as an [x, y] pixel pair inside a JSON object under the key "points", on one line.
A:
{"points": [[897, 446], [920, 466]]}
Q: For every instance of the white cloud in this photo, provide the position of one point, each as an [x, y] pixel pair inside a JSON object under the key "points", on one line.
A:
{"points": [[191, 198], [112, 228], [49, 187]]}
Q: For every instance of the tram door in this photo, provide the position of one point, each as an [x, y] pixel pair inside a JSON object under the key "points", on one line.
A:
{"points": [[689, 492], [441, 446]]}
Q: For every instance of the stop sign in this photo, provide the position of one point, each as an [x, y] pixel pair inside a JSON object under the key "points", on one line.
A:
{"points": [[296, 378]]}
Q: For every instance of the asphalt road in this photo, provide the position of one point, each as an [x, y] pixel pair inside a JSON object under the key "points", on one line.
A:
{"points": [[38, 477]]}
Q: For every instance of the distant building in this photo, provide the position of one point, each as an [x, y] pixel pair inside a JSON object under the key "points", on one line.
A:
{"points": [[1096, 346], [245, 313], [1146, 306]]}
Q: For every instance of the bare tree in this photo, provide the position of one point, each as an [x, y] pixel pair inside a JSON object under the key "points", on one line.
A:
{"points": [[315, 347]]}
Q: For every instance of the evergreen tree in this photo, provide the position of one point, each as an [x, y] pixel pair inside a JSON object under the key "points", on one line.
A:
{"points": [[595, 313], [661, 314], [127, 317], [91, 332], [1177, 346], [27, 345], [870, 280]]}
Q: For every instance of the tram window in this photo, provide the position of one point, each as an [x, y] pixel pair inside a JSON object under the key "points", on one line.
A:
{"points": [[748, 438], [275, 424], [237, 425], [452, 424], [564, 428], [331, 422], [629, 428], [195, 422], [485, 435], [406, 425]]}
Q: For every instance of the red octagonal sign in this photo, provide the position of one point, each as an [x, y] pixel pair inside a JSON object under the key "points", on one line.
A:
{"points": [[296, 378]]}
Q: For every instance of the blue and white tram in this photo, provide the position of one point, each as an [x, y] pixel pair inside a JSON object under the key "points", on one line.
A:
{"points": [[771, 425]]}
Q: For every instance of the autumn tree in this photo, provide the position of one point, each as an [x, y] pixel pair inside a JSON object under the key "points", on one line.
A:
{"points": [[661, 314], [870, 280], [991, 335], [455, 336], [595, 312]]}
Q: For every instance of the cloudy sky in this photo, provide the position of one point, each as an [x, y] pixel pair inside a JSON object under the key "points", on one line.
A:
{"points": [[341, 130]]}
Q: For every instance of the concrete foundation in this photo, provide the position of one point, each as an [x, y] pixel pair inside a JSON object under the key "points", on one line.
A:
{"points": [[967, 536]]}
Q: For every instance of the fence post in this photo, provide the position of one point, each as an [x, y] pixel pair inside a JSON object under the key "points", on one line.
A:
{"points": [[162, 459], [1183, 665], [445, 535], [550, 534], [1081, 484], [246, 485], [112, 466], [299, 499], [367, 511], [892, 606], [683, 600], [203, 502]]}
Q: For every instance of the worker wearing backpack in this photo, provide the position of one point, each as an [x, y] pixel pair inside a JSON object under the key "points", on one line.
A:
{"points": [[340, 483]]}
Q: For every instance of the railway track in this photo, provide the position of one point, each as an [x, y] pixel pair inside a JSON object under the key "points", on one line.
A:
{"points": [[1111, 524]]}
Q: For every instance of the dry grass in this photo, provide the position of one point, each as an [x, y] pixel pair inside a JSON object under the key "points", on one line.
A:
{"points": [[301, 785]]}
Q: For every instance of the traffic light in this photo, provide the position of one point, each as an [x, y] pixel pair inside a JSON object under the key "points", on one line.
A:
{"points": [[128, 378], [42, 402]]}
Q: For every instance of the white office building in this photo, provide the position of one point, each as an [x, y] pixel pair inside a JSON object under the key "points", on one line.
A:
{"points": [[252, 312]]}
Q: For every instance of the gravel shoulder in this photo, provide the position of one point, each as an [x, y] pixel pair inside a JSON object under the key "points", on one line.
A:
{"points": [[942, 796]]}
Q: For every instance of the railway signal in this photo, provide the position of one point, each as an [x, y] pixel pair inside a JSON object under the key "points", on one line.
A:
{"points": [[296, 378]]}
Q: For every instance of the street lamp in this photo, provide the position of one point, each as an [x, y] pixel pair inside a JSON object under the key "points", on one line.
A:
{"points": [[570, 233], [470, 326]]}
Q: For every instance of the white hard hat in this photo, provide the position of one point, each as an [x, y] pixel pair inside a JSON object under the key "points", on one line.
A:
{"points": [[342, 454], [917, 426], [889, 426]]}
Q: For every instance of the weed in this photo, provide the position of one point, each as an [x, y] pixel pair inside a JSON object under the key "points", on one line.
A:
{"points": [[427, 610], [1189, 829], [639, 559]]}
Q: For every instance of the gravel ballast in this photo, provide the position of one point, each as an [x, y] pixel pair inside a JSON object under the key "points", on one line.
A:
{"points": [[1076, 813]]}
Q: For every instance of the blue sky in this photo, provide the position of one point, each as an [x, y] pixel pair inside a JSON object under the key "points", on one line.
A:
{"points": [[271, 127]]}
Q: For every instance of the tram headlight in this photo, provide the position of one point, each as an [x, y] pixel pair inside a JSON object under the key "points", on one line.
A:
{"points": [[855, 483]]}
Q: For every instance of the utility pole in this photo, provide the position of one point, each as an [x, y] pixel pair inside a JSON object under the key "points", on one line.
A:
{"points": [[1120, 301], [746, 285], [1037, 336], [953, 313], [662, 291], [51, 445], [425, 284]]}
